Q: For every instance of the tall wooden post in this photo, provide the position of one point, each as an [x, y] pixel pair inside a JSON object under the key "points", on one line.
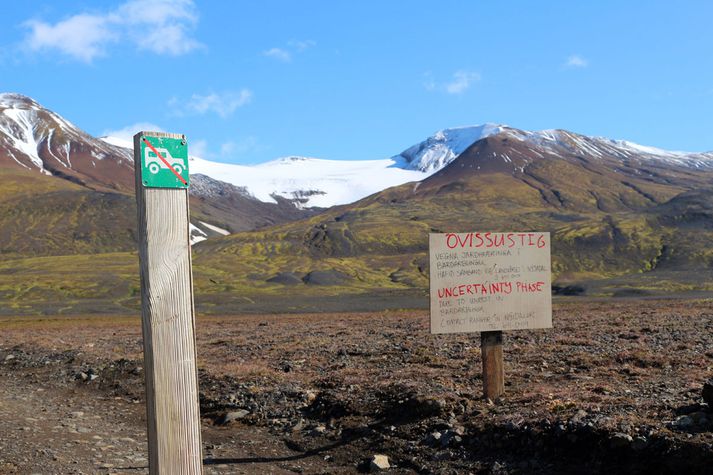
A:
{"points": [[491, 350], [168, 320]]}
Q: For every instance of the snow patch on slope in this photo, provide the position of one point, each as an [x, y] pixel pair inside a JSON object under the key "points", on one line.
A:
{"points": [[216, 229], [196, 234], [21, 132]]}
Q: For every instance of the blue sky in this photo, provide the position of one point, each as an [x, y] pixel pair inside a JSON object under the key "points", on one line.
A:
{"points": [[251, 81]]}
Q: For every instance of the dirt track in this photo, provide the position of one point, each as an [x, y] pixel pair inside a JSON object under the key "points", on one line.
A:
{"points": [[615, 387]]}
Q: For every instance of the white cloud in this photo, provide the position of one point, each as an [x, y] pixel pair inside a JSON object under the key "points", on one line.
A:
{"points": [[293, 46], [83, 37], [159, 26], [127, 133], [576, 61], [278, 53], [222, 104], [461, 82]]}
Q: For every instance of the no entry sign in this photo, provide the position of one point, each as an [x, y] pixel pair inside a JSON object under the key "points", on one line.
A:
{"points": [[490, 282], [164, 162]]}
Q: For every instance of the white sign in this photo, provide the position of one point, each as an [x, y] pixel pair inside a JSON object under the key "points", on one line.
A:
{"points": [[490, 281]]}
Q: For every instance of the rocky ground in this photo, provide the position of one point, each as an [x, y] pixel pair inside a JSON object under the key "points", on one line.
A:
{"points": [[615, 386]]}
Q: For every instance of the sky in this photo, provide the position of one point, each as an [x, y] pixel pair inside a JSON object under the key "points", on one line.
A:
{"points": [[248, 81]]}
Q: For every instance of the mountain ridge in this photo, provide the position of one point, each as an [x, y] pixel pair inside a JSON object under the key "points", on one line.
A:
{"points": [[624, 220]]}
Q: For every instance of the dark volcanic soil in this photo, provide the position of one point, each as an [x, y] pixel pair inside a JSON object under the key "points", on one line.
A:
{"points": [[614, 387]]}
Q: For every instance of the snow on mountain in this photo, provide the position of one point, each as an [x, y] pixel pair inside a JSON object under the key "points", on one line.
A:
{"points": [[36, 138], [307, 182], [30, 129], [313, 182], [310, 181], [443, 147], [562, 141]]}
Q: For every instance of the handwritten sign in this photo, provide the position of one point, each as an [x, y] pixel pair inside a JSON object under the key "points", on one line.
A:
{"points": [[490, 281]]}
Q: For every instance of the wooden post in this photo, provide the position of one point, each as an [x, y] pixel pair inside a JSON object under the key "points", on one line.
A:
{"points": [[491, 349], [168, 324]]}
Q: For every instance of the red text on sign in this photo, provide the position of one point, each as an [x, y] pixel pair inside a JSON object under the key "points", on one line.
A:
{"points": [[495, 240]]}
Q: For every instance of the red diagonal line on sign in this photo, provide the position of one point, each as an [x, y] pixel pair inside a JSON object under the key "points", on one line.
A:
{"points": [[153, 149]]}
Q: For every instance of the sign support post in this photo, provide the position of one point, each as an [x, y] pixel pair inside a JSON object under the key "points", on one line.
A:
{"points": [[168, 317], [491, 350]]}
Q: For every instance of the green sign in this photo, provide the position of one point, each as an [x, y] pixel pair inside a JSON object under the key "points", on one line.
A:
{"points": [[164, 162]]}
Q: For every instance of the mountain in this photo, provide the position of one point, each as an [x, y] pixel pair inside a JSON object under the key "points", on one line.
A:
{"points": [[43, 144], [325, 183], [625, 219], [37, 139], [312, 182]]}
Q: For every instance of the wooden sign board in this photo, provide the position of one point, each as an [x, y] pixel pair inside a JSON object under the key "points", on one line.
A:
{"points": [[490, 281]]}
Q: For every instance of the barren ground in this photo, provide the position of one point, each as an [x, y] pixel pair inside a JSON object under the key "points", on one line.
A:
{"points": [[615, 386]]}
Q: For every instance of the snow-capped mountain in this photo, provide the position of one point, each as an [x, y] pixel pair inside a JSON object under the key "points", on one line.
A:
{"points": [[304, 181], [563, 142], [36, 138], [323, 183]]}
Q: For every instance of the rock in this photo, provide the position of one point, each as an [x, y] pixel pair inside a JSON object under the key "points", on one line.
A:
{"points": [[310, 396], [379, 463], [9, 357], [432, 439], [683, 422], [285, 278], [326, 277], [319, 430], [620, 440], [699, 417], [450, 438], [231, 416], [708, 392], [298, 426]]}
